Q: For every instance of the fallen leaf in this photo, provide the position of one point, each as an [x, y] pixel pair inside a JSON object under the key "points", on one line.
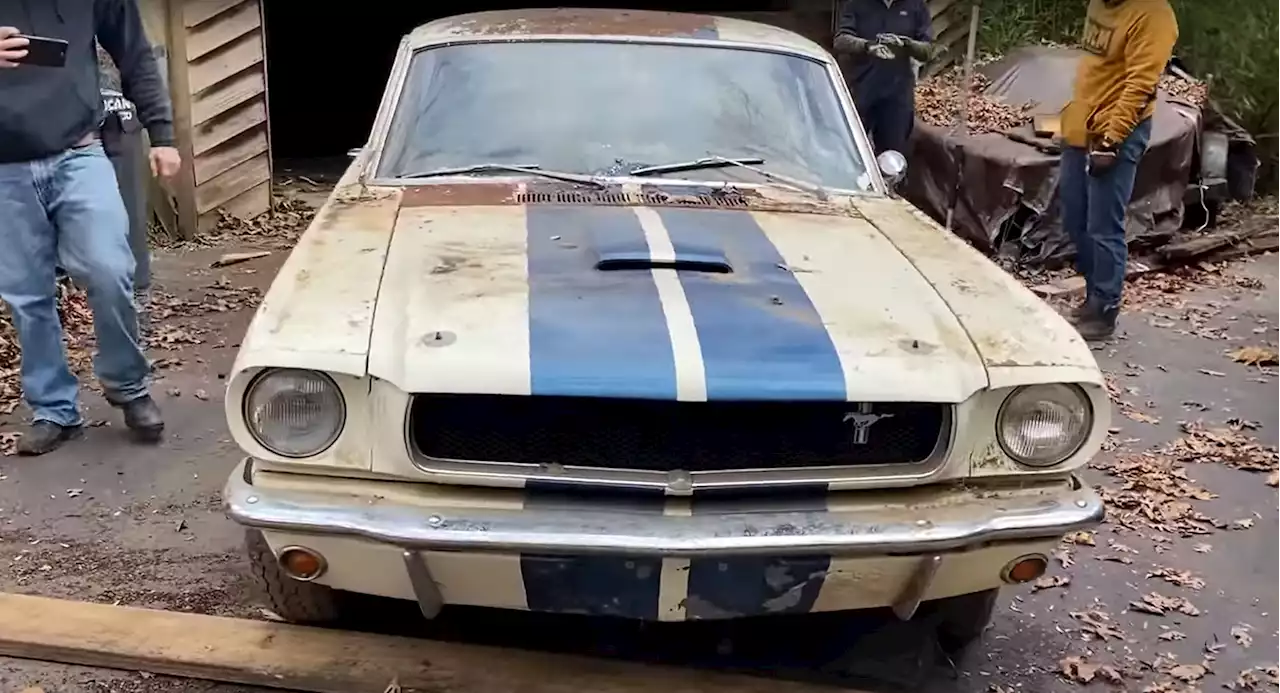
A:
{"points": [[1098, 624], [1050, 581], [1216, 374], [1082, 538], [1172, 636], [1141, 417], [1181, 578], [1243, 523], [1241, 634], [1159, 605], [1078, 670], [201, 395], [1203, 548], [1189, 673], [1255, 356]]}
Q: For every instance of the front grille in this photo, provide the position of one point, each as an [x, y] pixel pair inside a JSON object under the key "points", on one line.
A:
{"points": [[629, 434]]}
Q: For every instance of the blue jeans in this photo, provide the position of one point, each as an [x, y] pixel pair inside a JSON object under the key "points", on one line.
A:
{"points": [[1093, 210], [66, 210]]}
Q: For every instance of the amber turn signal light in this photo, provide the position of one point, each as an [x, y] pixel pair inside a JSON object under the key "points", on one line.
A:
{"points": [[301, 563], [1025, 569]]}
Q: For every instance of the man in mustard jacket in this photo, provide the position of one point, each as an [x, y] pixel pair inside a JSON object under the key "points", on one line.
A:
{"points": [[1106, 127]]}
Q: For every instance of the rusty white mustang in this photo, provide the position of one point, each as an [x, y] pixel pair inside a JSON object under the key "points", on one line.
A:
{"points": [[615, 314]]}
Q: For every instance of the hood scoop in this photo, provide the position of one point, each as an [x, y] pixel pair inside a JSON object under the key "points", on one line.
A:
{"points": [[709, 263]]}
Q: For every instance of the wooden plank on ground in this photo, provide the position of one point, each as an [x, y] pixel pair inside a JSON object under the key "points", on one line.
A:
{"points": [[1074, 284], [325, 661]]}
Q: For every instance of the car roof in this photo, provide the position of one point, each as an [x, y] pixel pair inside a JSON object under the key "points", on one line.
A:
{"points": [[566, 22]]}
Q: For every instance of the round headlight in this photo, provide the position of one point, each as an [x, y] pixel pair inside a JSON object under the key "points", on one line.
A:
{"points": [[294, 413], [1042, 425]]}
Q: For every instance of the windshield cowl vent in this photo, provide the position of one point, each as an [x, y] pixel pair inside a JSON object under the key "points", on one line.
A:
{"points": [[614, 197]]}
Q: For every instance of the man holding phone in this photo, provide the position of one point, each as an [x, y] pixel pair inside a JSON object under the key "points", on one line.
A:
{"points": [[60, 203]]}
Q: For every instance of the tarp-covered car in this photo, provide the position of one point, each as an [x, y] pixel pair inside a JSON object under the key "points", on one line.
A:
{"points": [[614, 314], [1002, 187]]}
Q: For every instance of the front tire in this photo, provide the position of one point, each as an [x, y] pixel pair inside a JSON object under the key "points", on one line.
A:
{"points": [[304, 603]]}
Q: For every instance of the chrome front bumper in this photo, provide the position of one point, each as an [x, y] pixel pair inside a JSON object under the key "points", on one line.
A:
{"points": [[949, 520]]}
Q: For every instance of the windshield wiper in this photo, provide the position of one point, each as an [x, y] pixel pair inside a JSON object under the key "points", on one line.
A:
{"points": [[694, 165], [715, 161], [531, 169]]}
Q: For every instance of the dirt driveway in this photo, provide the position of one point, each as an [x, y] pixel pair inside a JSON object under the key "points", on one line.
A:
{"points": [[1176, 591]]}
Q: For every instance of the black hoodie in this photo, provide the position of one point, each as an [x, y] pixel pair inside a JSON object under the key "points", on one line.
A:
{"points": [[45, 110]]}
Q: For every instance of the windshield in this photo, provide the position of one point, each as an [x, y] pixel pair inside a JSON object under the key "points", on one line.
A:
{"points": [[604, 108]]}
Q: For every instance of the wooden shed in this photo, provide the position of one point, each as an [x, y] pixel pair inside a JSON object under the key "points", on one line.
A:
{"points": [[259, 81]]}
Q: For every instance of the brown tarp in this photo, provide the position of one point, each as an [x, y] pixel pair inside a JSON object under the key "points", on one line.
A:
{"points": [[1007, 202]]}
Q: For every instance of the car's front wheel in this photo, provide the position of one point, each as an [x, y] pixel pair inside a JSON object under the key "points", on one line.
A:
{"points": [[294, 601], [962, 619]]}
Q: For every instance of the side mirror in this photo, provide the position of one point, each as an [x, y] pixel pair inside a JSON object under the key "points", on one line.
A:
{"points": [[353, 153], [893, 166]]}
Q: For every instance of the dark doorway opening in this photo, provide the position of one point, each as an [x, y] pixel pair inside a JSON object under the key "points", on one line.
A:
{"points": [[326, 70]]}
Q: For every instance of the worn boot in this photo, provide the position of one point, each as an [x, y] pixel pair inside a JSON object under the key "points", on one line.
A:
{"points": [[46, 436], [142, 416], [1096, 325], [1079, 312]]}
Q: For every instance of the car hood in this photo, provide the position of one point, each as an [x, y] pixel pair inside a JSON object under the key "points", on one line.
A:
{"points": [[661, 302]]}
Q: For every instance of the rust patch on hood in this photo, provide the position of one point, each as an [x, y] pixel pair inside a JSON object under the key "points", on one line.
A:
{"points": [[590, 22], [460, 195]]}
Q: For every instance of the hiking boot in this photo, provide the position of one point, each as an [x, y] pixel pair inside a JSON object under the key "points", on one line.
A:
{"points": [[46, 436], [142, 416], [1079, 312], [1096, 325]]}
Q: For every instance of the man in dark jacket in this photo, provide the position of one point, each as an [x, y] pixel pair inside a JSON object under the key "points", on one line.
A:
{"points": [[60, 205], [881, 37]]}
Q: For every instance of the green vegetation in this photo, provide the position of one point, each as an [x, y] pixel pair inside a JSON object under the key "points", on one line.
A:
{"points": [[1233, 40]]}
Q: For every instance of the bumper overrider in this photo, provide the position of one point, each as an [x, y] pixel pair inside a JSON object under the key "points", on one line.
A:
{"points": [[675, 560]]}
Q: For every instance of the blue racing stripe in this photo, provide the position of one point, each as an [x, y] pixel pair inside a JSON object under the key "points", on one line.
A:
{"points": [[754, 586], [592, 585], [761, 336], [594, 333]]}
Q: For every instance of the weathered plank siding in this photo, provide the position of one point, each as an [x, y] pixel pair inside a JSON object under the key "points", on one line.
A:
{"points": [[221, 109]]}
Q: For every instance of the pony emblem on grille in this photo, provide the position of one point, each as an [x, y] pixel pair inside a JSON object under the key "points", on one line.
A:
{"points": [[862, 421]]}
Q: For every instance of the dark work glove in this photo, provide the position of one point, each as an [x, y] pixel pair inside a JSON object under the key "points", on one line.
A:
{"points": [[846, 43]]}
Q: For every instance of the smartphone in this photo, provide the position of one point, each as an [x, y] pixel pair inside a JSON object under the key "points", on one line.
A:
{"points": [[44, 52]]}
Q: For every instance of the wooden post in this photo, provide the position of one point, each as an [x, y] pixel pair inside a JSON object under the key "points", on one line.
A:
{"points": [[183, 186], [962, 124]]}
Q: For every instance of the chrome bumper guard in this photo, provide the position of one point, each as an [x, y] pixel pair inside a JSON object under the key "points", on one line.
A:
{"points": [[999, 518]]}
